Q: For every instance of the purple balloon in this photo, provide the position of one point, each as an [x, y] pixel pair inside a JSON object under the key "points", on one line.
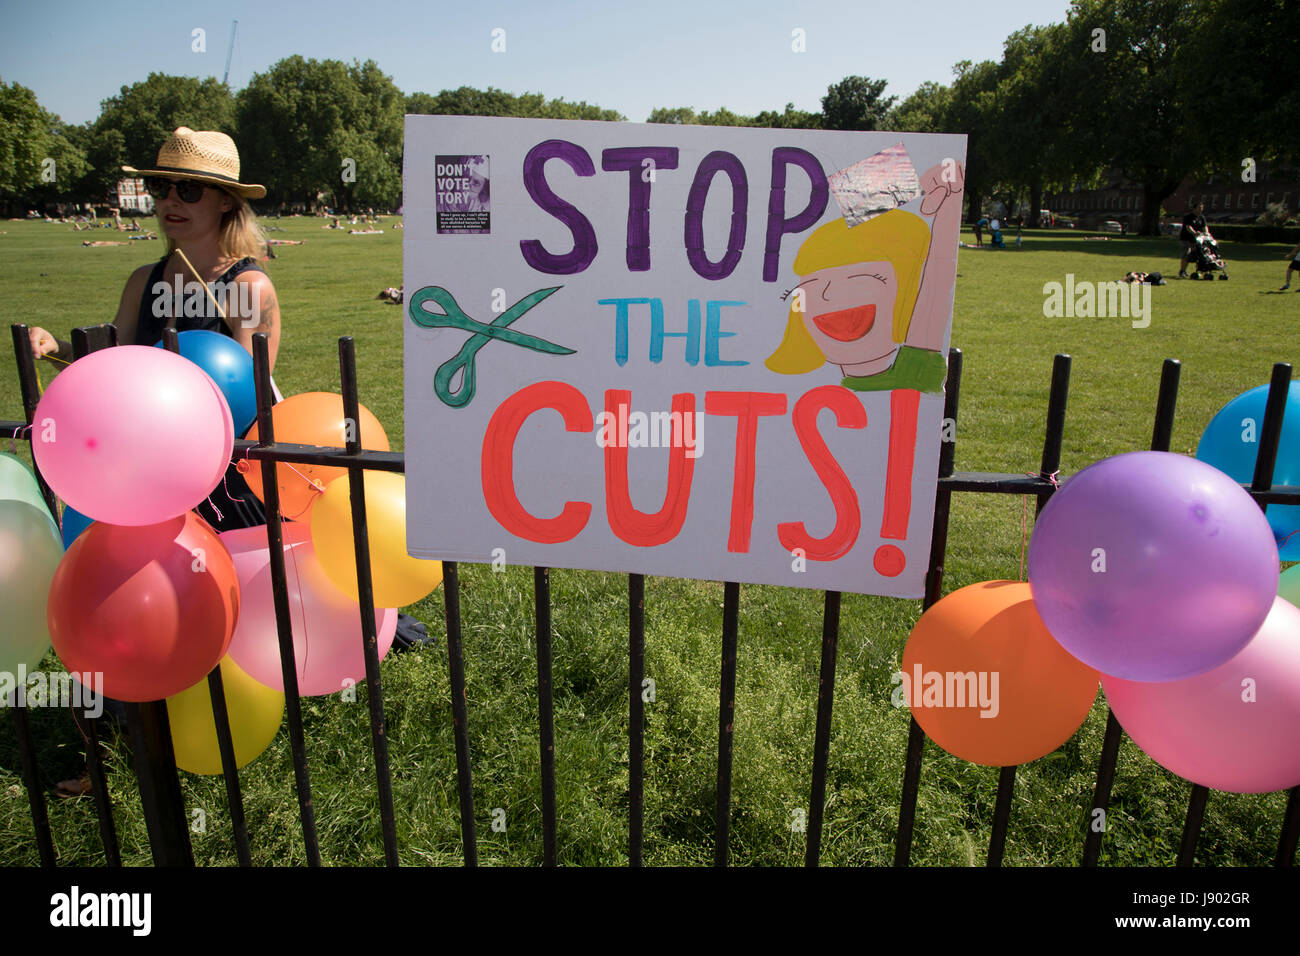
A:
{"points": [[1152, 567]]}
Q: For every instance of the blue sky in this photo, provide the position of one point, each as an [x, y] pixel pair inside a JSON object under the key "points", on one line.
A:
{"points": [[630, 57]]}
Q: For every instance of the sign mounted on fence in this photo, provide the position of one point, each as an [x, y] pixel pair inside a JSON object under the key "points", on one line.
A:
{"points": [[703, 352]]}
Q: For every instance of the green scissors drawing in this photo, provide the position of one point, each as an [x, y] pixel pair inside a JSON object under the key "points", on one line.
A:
{"points": [[453, 317]]}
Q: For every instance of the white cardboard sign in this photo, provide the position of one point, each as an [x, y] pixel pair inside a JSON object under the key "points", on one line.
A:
{"points": [[702, 352]]}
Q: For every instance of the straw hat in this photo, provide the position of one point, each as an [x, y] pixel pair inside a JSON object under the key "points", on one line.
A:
{"points": [[206, 156]]}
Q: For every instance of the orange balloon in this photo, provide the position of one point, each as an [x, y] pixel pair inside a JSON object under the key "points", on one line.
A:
{"points": [[987, 681], [312, 418]]}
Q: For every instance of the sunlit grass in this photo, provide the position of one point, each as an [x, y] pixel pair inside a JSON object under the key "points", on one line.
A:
{"points": [[1227, 335]]}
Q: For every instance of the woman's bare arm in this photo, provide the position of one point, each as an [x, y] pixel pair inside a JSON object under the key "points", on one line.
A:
{"points": [[266, 317], [127, 319]]}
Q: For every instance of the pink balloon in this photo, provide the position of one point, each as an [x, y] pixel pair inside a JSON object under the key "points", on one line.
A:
{"points": [[132, 435], [326, 622], [1233, 728]]}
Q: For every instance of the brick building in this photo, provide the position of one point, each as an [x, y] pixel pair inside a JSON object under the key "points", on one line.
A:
{"points": [[1226, 198]]}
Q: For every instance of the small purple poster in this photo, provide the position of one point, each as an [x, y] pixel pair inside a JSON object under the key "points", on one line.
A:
{"points": [[463, 204]]}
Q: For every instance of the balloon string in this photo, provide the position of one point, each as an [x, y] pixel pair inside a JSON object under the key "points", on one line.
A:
{"points": [[40, 386], [316, 486], [302, 611], [225, 477], [13, 439], [1024, 515], [84, 736]]}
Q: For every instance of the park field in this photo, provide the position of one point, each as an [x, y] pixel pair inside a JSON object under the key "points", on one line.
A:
{"points": [[1227, 335]]}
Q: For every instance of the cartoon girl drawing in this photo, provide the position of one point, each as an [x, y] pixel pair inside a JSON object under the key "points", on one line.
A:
{"points": [[874, 297]]}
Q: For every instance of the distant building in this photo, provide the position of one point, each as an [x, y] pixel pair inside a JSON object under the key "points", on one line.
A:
{"points": [[131, 196], [1118, 199], [1226, 198]]}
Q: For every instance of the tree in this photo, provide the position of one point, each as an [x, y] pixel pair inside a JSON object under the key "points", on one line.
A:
{"points": [[311, 127], [39, 159], [1240, 59], [1039, 134], [23, 125], [1142, 88], [374, 139], [679, 115], [69, 167], [105, 151], [790, 118], [854, 103], [970, 110], [925, 111], [468, 101], [146, 113]]}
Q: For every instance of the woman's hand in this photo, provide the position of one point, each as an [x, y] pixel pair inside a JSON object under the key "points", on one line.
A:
{"points": [[43, 343]]}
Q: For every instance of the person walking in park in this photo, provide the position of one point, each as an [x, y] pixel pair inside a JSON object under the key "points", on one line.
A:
{"points": [[1292, 266], [1193, 225]]}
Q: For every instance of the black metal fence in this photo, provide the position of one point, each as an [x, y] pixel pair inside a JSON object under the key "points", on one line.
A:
{"points": [[156, 770]]}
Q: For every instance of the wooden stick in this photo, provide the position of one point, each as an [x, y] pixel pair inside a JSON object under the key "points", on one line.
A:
{"points": [[220, 311]]}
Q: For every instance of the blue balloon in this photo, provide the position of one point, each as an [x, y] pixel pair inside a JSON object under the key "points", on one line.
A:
{"points": [[74, 522], [1231, 443], [230, 366]]}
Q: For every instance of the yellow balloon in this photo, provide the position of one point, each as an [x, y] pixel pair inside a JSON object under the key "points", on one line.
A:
{"points": [[255, 713], [398, 578]]}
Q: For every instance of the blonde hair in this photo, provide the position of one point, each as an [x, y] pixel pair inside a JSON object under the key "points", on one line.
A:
{"points": [[900, 238], [241, 236]]}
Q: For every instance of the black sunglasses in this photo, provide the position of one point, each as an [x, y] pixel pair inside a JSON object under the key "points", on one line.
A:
{"points": [[188, 190]]}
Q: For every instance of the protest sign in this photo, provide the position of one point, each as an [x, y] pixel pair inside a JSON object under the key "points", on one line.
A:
{"points": [[704, 352]]}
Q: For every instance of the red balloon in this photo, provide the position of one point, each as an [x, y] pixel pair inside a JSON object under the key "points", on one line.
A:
{"points": [[150, 608]]}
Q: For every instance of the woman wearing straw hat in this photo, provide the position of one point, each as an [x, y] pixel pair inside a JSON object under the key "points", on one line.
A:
{"points": [[212, 238]]}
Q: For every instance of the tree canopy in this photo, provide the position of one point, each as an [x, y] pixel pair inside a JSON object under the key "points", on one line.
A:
{"points": [[41, 157], [1148, 90], [313, 127]]}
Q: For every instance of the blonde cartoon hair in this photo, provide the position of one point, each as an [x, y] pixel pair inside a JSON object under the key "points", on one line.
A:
{"points": [[897, 237]]}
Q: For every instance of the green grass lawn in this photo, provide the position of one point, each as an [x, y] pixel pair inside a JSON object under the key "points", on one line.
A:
{"points": [[1227, 335]]}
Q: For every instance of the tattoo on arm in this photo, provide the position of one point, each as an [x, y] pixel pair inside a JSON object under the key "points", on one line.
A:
{"points": [[269, 310]]}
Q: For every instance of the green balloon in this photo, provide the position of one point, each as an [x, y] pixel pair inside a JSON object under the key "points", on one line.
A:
{"points": [[18, 482], [1288, 585], [30, 551]]}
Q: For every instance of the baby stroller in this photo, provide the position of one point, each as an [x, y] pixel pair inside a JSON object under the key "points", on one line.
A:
{"points": [[1208, 260]]}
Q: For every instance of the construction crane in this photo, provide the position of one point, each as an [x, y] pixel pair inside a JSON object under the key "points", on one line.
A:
{"points": [[230, 49]]}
